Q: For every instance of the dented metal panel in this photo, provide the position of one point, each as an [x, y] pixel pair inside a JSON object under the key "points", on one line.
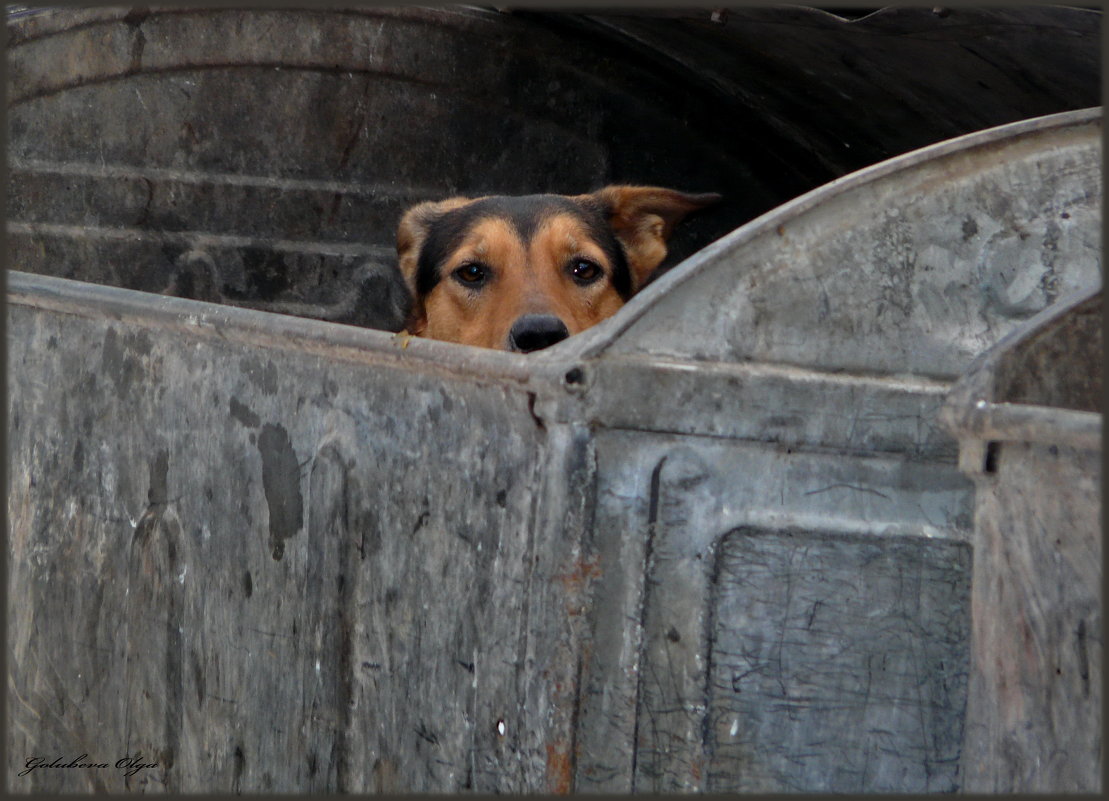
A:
{"points": [[914, 266], [748, 667], [776, 414]]}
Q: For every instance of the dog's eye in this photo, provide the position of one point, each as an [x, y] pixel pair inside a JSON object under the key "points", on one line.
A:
{"points": [[471, 273], [584, 271]]}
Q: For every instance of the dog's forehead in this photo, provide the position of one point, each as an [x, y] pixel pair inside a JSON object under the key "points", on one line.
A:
{"points": [[525, 213]]}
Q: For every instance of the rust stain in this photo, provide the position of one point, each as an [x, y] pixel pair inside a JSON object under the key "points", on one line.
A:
{"points": [[695, 769], [584, 570], [559, 768]]}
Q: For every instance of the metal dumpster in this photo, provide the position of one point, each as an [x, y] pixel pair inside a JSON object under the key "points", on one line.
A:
{"points": [[1028, 418], [262, 157], [719, 542]]}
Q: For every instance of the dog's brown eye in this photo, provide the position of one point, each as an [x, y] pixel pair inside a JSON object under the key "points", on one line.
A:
{"points": [[585, 271], [471, 273]]}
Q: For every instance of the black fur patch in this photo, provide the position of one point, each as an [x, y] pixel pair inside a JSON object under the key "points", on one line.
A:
{"points": [[445, 234]]}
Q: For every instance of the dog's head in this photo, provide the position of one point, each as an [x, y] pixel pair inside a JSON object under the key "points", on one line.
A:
{"points": [[522, 273]]}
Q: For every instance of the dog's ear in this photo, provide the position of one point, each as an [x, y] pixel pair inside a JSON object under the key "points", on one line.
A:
{"points": [[642, 218], [412, 232]]}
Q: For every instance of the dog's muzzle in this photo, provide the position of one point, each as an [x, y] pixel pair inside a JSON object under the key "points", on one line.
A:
{"points": [[535, 332]]}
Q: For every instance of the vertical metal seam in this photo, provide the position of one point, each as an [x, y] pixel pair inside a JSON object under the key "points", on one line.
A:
{"points": [[644, 605]]}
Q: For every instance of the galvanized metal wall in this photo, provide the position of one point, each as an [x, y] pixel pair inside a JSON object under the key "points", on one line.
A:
{"points": [[267, 564], [1028, 418], [776, 490], [798, 624], [900, 268], [279, 554]]}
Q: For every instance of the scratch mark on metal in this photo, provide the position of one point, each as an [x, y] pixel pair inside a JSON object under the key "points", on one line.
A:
{"points": [[848, 486]]}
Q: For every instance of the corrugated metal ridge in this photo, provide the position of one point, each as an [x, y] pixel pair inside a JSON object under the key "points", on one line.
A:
{"points": [[87, 170], [801, 374], [797, 407]]}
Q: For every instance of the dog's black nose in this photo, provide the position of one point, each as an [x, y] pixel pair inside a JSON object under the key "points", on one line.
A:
{"points": [[535, 332]]}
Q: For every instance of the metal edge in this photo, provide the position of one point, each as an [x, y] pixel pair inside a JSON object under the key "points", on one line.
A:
{"points": [[76, 297], [590, 344], [1012, 422], [196, 318], [976, 385], [971, 412]]}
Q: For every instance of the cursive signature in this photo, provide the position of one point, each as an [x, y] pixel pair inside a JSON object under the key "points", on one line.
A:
{"points": [[130, 764]]}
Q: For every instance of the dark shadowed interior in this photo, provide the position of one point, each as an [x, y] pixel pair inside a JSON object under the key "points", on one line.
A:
{"points": [[262, 158]]}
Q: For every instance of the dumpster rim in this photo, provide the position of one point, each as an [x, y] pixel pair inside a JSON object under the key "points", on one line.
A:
{"points": [[1023, 422], [366, 345], [971, 413], [271, 330], [600, 338]]}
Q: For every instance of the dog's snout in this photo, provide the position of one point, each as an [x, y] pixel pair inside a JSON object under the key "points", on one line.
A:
{"points": [[535, 332]]}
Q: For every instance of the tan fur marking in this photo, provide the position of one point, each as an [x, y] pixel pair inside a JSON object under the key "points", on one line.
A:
{"points": [[522, 278], [411, 233]]}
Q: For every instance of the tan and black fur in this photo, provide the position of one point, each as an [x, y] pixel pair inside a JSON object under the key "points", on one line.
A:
{"points": [[522, 273]]}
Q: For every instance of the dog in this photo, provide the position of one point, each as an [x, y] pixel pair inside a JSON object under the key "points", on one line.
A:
{"points": [[522, 273]]}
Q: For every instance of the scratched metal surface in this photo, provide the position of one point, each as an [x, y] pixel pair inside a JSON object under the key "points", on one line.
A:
{"points": [[281, 554], [268, 568], [800, 619], [876, 705], [811, 427], [915, 265], [1034, 712], [1028, 418]]}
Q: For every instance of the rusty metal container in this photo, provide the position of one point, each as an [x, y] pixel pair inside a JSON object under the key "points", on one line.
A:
{"points": [[1028, 418], [719, 542], [829, 329]]}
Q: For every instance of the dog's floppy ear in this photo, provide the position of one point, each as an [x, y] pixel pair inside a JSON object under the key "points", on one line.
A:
{"points": [[642, 218], [412, 232]]}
